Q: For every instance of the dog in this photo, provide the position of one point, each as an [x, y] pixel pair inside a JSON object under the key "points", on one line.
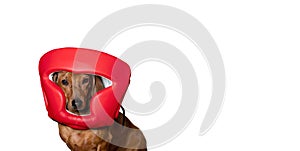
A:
{"points": [[78, 90]]}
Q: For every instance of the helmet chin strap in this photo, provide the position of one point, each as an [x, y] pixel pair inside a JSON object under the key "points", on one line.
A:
{"points": [[123, 110]]}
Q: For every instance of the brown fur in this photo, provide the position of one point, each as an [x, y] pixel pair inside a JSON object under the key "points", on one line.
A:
{"points": [[82, 87]]}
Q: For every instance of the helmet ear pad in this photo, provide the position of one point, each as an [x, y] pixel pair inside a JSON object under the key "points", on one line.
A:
{"points": [[104, 105]]}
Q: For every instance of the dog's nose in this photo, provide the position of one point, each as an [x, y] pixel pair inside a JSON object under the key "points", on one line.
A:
{"points": [[76, 103]]}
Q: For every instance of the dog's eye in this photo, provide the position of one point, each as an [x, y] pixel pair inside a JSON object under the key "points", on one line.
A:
{"points": [[84, 81], [64, 82]]}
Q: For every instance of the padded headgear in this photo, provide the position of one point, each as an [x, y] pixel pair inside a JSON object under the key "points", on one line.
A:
{"points": [[104, 105]]}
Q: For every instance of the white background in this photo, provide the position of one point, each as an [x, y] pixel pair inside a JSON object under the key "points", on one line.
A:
{"points": [[258, 40]]}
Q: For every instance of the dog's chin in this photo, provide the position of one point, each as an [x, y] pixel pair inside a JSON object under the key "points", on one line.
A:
{"points": [[82, 112]]}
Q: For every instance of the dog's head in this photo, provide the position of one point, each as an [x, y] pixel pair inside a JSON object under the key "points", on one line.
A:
{"points": [[78, 90]]}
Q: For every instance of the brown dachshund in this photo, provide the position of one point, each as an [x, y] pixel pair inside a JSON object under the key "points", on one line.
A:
{"points": [[79, 89]]}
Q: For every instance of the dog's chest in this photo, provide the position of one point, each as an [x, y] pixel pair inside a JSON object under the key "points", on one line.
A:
{"points": [[87, 140]]}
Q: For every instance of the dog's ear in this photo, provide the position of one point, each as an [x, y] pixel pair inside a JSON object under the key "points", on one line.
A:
{"points": [[55, 77], [98, 83]]}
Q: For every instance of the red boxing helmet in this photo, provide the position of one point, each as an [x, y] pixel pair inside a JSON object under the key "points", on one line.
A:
{"points": [[104, 105]]}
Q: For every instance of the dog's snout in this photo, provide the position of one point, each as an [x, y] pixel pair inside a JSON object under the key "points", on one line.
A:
{"points": [[77, 103]]}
